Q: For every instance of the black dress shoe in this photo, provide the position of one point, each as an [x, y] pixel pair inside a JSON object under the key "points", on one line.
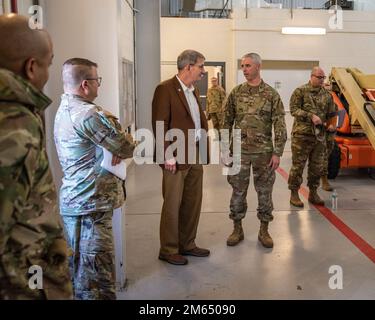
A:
{"points": [[175, 259], [196, 252]]}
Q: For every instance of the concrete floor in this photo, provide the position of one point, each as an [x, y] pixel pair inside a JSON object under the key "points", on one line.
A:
{"points": [[307, 244]]}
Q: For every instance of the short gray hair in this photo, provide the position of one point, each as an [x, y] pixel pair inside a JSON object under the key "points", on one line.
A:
{"points": [[188, 57], [254, 56], [76, 70]]}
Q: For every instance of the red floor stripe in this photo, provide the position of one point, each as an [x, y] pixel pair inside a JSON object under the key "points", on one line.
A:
{"points": [[349, 233]]}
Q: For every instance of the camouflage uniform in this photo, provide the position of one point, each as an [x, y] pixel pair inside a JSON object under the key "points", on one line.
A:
{"points": [[215, 99], [31, 231], [255, 110], [87, 234], [330, 143], [89, 193], [306, 101]]}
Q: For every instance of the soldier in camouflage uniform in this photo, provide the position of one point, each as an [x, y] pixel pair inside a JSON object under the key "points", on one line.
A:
{"points": [[31, 232], [89, 193], [330, 143], [255, 107], [312, 106], [215, 99]]}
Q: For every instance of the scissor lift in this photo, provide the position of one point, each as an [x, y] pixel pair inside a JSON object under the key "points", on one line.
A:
{"points": [[354, 95]]}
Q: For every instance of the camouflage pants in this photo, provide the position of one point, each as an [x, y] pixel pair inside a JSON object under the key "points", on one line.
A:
{"points": [[215, 118], [92, 264], [15, 276], [264, 178], [306, 148], [330, 141]]}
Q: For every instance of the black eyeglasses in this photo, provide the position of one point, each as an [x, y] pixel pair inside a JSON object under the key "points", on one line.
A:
{"points": [[99, 80], [319, 77]]}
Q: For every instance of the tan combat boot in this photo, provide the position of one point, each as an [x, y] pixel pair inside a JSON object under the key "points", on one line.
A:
{"points": [[295, 200], [263, 236], [314, 198], [325, 184], [237, 234]]}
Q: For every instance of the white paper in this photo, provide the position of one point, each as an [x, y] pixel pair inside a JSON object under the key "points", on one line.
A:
{"points": [[118, 170]]}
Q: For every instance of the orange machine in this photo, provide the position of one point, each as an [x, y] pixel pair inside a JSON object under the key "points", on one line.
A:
{"points": [[353, 148]]}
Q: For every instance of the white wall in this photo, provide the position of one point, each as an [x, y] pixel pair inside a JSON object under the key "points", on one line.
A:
{"points": [[88, 29], [227, 40], [352, 46], [23, 6], [212, 37]]}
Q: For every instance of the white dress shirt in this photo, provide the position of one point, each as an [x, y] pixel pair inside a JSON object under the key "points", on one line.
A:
{"points": [[194, 107]]}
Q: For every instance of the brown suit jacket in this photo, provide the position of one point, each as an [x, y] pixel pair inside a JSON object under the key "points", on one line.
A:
{"points": [[170, 106]]}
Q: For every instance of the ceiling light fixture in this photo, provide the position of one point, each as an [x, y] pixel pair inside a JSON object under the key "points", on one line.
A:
{"points": [[300, 30]]}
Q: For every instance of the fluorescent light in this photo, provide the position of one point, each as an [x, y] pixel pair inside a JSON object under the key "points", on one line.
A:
{"points": [[299, 30]]}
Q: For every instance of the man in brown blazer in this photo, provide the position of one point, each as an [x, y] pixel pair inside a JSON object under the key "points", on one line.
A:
{"points": [[176, 107]]}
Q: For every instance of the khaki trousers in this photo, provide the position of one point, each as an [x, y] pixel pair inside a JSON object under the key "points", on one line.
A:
{"points": [[182, 193]]}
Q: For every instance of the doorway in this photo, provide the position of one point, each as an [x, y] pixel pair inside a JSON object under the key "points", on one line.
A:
{"points": [[213, 69]]}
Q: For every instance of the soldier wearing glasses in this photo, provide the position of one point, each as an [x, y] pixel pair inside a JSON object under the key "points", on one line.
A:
{"points": [[312, 106], [89, 193]]}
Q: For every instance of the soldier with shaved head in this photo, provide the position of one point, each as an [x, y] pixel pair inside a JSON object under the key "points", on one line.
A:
{"points": [[31, 232], [256, 109], [312, 106]]}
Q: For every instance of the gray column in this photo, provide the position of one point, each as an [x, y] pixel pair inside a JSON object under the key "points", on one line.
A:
{"points": [[147, 58]]}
